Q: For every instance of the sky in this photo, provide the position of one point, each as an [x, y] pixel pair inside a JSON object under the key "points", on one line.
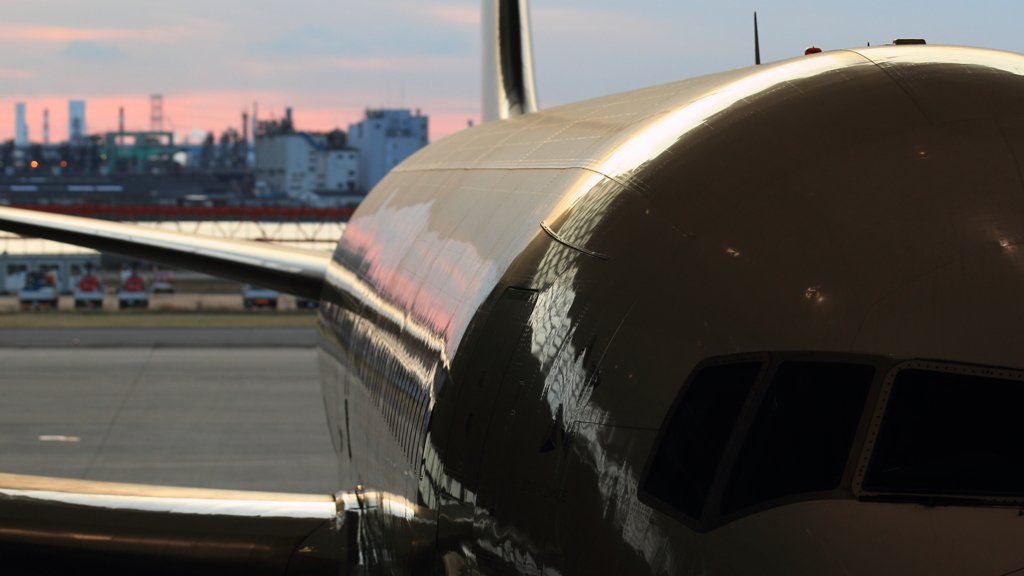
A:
{"points": [[331, 59]]}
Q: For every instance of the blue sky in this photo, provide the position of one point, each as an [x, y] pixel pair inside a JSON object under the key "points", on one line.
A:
{"points": [[331, 58]]}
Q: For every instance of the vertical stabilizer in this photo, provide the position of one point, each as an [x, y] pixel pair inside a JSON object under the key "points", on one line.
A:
{"points": [[508, 84]]}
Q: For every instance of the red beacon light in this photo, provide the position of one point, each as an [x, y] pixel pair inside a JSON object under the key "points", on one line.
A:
{"points": [[812, 50]]}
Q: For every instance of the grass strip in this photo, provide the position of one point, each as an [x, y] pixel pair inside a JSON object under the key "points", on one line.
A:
{"points": [[156, 319]]}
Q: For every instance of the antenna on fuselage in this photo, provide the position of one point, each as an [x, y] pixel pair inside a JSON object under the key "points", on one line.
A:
{"points": [[757, 43]]}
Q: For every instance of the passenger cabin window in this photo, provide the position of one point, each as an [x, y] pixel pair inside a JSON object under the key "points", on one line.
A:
{"points": [[950, 434], [802, 434], [691, 447]]}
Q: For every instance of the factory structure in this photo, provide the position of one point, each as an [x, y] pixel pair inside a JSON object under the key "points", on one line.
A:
{"points": [[278, 164], [20, 126], [267, 181], [76, 122], [329, 164], [301, 165], [385, 138]]}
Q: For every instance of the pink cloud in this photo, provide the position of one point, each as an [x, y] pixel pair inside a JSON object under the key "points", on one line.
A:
{"points": [[271, 68], [66, 34], [410, 63], [457, 14], [14, 74]]}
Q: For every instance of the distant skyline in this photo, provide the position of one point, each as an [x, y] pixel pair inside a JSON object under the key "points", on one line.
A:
{"points": [[330, 59]]}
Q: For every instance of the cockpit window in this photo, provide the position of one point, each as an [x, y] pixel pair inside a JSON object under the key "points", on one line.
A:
{"points": [[948, 433], [801, 436], [687, 458], [757, 430]]}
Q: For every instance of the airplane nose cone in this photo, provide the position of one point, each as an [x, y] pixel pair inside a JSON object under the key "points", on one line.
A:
{"points": [[877, 206]]}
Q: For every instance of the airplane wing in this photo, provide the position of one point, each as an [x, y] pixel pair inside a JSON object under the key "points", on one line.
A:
{"points": [[54, 525], [51, 525], [289, 270]]}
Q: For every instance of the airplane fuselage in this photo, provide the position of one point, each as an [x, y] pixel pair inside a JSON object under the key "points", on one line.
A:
{"points": [[518, 322]]}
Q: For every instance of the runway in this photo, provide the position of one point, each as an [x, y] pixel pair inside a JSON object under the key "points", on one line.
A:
{"points": [[213, 416]]}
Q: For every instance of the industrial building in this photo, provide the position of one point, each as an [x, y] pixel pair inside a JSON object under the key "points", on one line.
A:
{"points": [[138, 152], [20, 126], [149, 179], [279, 166], [385, 138], [76, 121], [299, 164]]}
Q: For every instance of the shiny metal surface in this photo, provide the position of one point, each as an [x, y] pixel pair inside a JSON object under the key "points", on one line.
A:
{"points": [[507, 72], [494, 390], [855, 201], [52, 525], [290, 270], [147, 498]]}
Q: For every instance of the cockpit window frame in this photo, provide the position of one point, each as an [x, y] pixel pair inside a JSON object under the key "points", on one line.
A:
{"points": [[712, 518], [878, 416], [858, 464], [881, 365], [653, 501]]}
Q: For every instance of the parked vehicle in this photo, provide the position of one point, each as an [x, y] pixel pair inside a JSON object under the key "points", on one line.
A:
{"points": [[89, 291], [40, 290], [17, 276], [133, 292], [14, 269], [257, 297], [301, 303], [163, 282]]}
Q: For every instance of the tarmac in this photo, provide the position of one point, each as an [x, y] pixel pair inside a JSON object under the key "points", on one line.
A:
{"points": [[245, 337], [234, 408]]}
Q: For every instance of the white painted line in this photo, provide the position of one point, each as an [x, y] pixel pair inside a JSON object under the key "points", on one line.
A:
{"points": [[58, 438]]}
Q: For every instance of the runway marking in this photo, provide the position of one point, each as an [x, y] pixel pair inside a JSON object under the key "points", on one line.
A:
{"points": [[58, 438]]}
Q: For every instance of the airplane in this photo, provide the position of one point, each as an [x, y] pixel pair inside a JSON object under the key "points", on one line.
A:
{"points": [[766, 321]]}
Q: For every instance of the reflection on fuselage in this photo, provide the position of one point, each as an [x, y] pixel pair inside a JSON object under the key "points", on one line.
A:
{"points": [[509, 387]]}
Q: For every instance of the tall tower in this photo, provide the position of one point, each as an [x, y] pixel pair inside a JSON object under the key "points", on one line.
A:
{"points": [[46, 125], [120, 119], [20, 126], [156, 113], [76, 121]]}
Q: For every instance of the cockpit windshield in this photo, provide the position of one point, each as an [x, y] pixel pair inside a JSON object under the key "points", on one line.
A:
{"points": [[950, 433], [756, 431], [801, 437], [752, 429], [693, 443]]}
